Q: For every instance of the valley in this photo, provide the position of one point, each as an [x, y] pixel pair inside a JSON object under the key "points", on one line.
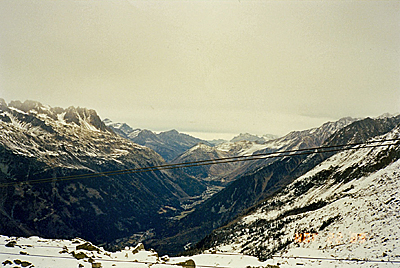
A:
{"points": [[341, 202]]}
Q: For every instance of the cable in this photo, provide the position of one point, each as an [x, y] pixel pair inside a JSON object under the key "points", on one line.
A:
{"points": [[107, 260], [335, 259], [206, 266], [311, 258], [289, 153], [275, 154]]}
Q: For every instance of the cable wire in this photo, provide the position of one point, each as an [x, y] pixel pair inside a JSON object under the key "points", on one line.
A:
{"points": [[290, 153], [199, 265], [335, 259], [112, 260]]}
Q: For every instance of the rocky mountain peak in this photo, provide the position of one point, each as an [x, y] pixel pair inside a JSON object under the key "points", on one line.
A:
{"points": [[201, 146], [268, 137], [146, 133], [115, 125], [169, 144], [3, 104], [172, 132], [247, 137], [34, 107], [361, 130], [31, 109], [26, 106], [253, 138], [81, 116]]}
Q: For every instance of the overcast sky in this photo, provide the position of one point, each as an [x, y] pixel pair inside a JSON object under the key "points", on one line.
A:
{"points": [[209, 68]]}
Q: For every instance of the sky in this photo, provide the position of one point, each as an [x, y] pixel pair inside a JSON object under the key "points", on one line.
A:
{"points": [[212, 69]]}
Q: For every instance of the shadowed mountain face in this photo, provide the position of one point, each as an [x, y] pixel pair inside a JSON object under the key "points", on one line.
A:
{"points": [[265, 180], [39, 142], [169, 144]]}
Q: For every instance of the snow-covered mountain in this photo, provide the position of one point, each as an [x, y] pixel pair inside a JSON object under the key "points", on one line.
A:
{"points": [[336, 205], [347, 207], [255, 138], [169, 144], [39, 142], [246, 137], [216, 173], [267, 178], [343, 213], [247, 144]]}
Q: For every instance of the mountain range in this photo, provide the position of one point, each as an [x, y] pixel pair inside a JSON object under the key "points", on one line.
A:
{"points": [[253, 182], [169, 144], [67, 173], [255, 138], [269, 180], [347, 205], [226, 173]]}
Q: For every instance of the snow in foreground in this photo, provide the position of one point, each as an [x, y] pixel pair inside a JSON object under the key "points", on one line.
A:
{"points": [[41, 253]]}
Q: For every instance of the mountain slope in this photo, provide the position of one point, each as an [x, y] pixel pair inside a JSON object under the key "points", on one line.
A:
{"points": [[346, 207], [40, 142], [169, 144], [295, 140], [226, 173], [264, 181], [216, 174]]}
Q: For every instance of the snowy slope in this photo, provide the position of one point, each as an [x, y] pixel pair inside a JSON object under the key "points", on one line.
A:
{"points": [[347, 207], [60, 137], [250, 182], [48, 253]]}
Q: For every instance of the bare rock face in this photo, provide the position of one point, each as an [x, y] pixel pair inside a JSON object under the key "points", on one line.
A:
{"points": [[38, 142]]}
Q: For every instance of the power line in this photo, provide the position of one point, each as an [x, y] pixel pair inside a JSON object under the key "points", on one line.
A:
{"points": [[199, 265], [205, 162], [336, 259], [290, 153], [112, 260]]}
